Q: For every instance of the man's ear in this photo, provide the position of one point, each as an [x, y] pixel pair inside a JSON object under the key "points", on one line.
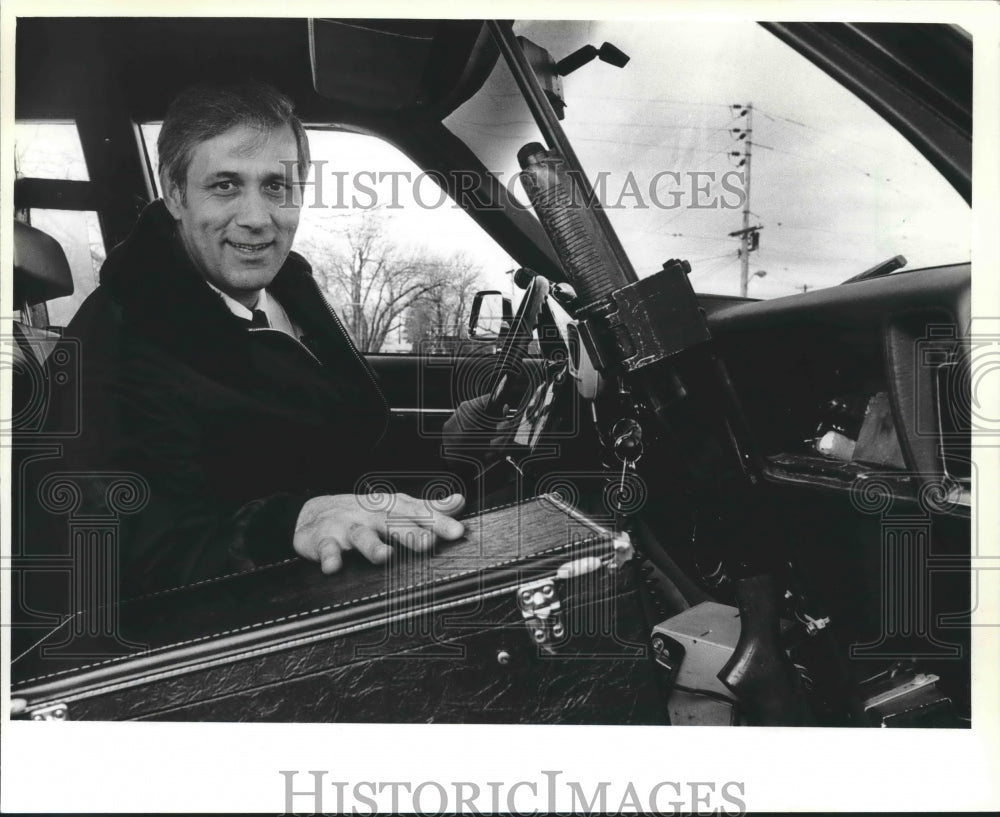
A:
{"points": [[173, 196]]}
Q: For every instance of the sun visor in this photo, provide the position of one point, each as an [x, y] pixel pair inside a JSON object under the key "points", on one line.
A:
{"points": [[394, 65]]}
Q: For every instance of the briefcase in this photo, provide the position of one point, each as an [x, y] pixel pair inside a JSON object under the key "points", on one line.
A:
{"points": [[534, 616]]}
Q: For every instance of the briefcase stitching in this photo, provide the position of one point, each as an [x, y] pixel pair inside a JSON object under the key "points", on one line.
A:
{"points": [[261, 568], [251, 653], [302, 614], [327, 608], [168, 590], [50, 633]]}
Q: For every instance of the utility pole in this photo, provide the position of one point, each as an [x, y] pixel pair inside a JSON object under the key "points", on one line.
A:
{"points": [[745, 238], [748, 236]]}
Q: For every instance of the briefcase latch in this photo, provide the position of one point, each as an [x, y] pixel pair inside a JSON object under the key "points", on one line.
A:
{"points": [[52, 712], [542, 610]]}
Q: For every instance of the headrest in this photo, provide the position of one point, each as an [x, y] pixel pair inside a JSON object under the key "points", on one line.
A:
{"points": [[41, 271]]}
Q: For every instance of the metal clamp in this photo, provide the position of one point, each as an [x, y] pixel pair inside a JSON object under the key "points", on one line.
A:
{"points": [[51, 712], [541, 608], [645, 322]]}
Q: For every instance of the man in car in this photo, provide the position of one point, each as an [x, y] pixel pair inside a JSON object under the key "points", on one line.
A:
{"points": [[216, 374]]}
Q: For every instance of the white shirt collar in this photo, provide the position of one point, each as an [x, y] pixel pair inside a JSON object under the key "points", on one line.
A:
{"points": [[267, 304], [234, 306]]}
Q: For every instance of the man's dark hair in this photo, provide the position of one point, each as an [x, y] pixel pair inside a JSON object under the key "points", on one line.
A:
{"points": [[203, 112]]}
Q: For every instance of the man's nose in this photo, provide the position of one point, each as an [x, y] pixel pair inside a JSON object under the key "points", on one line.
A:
{"points": [[254, 212]]}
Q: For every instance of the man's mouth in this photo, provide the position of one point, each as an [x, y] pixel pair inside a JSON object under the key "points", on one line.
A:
{"points": [[250, 249]]}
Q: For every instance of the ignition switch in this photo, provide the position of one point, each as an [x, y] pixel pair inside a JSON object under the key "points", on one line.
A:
{"points": [[627, 436]]}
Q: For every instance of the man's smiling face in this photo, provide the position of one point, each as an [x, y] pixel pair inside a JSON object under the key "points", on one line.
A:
{"points": [[239, 212]]}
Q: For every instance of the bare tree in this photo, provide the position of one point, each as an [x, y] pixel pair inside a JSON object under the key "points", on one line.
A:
{"points": [[439, 316], [375, 281], [371, 279]]}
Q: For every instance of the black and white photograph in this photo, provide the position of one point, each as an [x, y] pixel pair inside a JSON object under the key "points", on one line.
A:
{"points": [[431, 412]]}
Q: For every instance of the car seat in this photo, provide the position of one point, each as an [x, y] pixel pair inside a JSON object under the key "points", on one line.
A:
{"points": [[41, 273]]}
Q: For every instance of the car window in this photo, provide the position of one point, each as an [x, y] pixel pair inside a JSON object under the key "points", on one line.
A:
{"points": [[694, 130], [52, 151], [49, 150], [394, 255]]}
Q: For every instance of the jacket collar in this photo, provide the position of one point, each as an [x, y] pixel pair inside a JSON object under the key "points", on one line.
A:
{"points": [[164, 298]]}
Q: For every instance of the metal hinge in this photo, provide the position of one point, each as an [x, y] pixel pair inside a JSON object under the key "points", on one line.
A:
{"points": [[51, 712], [542, 610]]}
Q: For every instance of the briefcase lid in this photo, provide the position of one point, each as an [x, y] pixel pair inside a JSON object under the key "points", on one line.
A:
{"points": [[271, 606]]}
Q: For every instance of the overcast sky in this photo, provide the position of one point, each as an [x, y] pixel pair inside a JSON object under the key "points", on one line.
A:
{"points": [[834, 186]]}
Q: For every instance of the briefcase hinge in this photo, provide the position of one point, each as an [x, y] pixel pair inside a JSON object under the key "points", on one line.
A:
{"points": [[51, 712], [542, 610]]}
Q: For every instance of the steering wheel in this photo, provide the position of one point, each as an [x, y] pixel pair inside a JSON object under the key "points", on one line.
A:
{"points": [[538, 409], [515, 345]]}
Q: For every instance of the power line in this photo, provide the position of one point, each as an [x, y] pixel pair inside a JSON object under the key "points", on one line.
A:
{"points": [[717, 269], [776, 118], [711, 258], [656, 125], [699, 237], [829, 162], [864, 145], [681, 160], [644, 144], [659, 101], [662, 234], [781, 226]]}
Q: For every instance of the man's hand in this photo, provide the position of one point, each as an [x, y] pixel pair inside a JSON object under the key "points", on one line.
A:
{"points": [[330, 525], [469, 423]]}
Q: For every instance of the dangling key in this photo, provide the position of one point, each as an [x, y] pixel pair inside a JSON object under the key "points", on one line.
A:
{"points": [[628, 448], [621, 485]]}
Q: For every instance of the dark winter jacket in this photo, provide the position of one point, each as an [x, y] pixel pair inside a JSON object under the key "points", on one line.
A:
{"points": [[231, 429]]}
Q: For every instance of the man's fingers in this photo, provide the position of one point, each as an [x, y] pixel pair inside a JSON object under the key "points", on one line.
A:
{"points": [[443, 509], [451, 504], [336, 525], [412, 537], [330, 556], [433, 514], [367, 542]]}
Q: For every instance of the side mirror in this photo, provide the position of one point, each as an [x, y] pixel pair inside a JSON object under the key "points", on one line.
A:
{"points": [[491, 315]]}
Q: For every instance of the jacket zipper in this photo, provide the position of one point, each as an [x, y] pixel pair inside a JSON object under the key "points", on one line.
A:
{"points": [[294, 340], [350, 345], [347, 339]]}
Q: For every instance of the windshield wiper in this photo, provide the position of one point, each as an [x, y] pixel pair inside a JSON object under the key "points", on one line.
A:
{"points": [[897, 262]]}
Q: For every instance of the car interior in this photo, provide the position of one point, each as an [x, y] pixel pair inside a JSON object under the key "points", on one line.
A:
{"points": [[855, 396]]}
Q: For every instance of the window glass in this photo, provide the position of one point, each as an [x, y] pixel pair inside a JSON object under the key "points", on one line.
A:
{"points": [[150, 133], [79, 233], [833, 188], [395, 255], [49, 150]]}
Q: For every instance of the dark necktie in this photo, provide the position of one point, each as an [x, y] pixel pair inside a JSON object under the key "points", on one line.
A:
{"points": [[259, 320]]}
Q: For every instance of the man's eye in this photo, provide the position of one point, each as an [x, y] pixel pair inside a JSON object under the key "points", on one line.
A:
{"points": [[276, 187], [225, 186]]}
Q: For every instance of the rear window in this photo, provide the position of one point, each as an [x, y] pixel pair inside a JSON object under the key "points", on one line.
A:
{"points": [[49, 150]]}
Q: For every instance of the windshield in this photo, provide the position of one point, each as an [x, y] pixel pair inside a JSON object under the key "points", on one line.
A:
{"points": [[712, 128]]}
